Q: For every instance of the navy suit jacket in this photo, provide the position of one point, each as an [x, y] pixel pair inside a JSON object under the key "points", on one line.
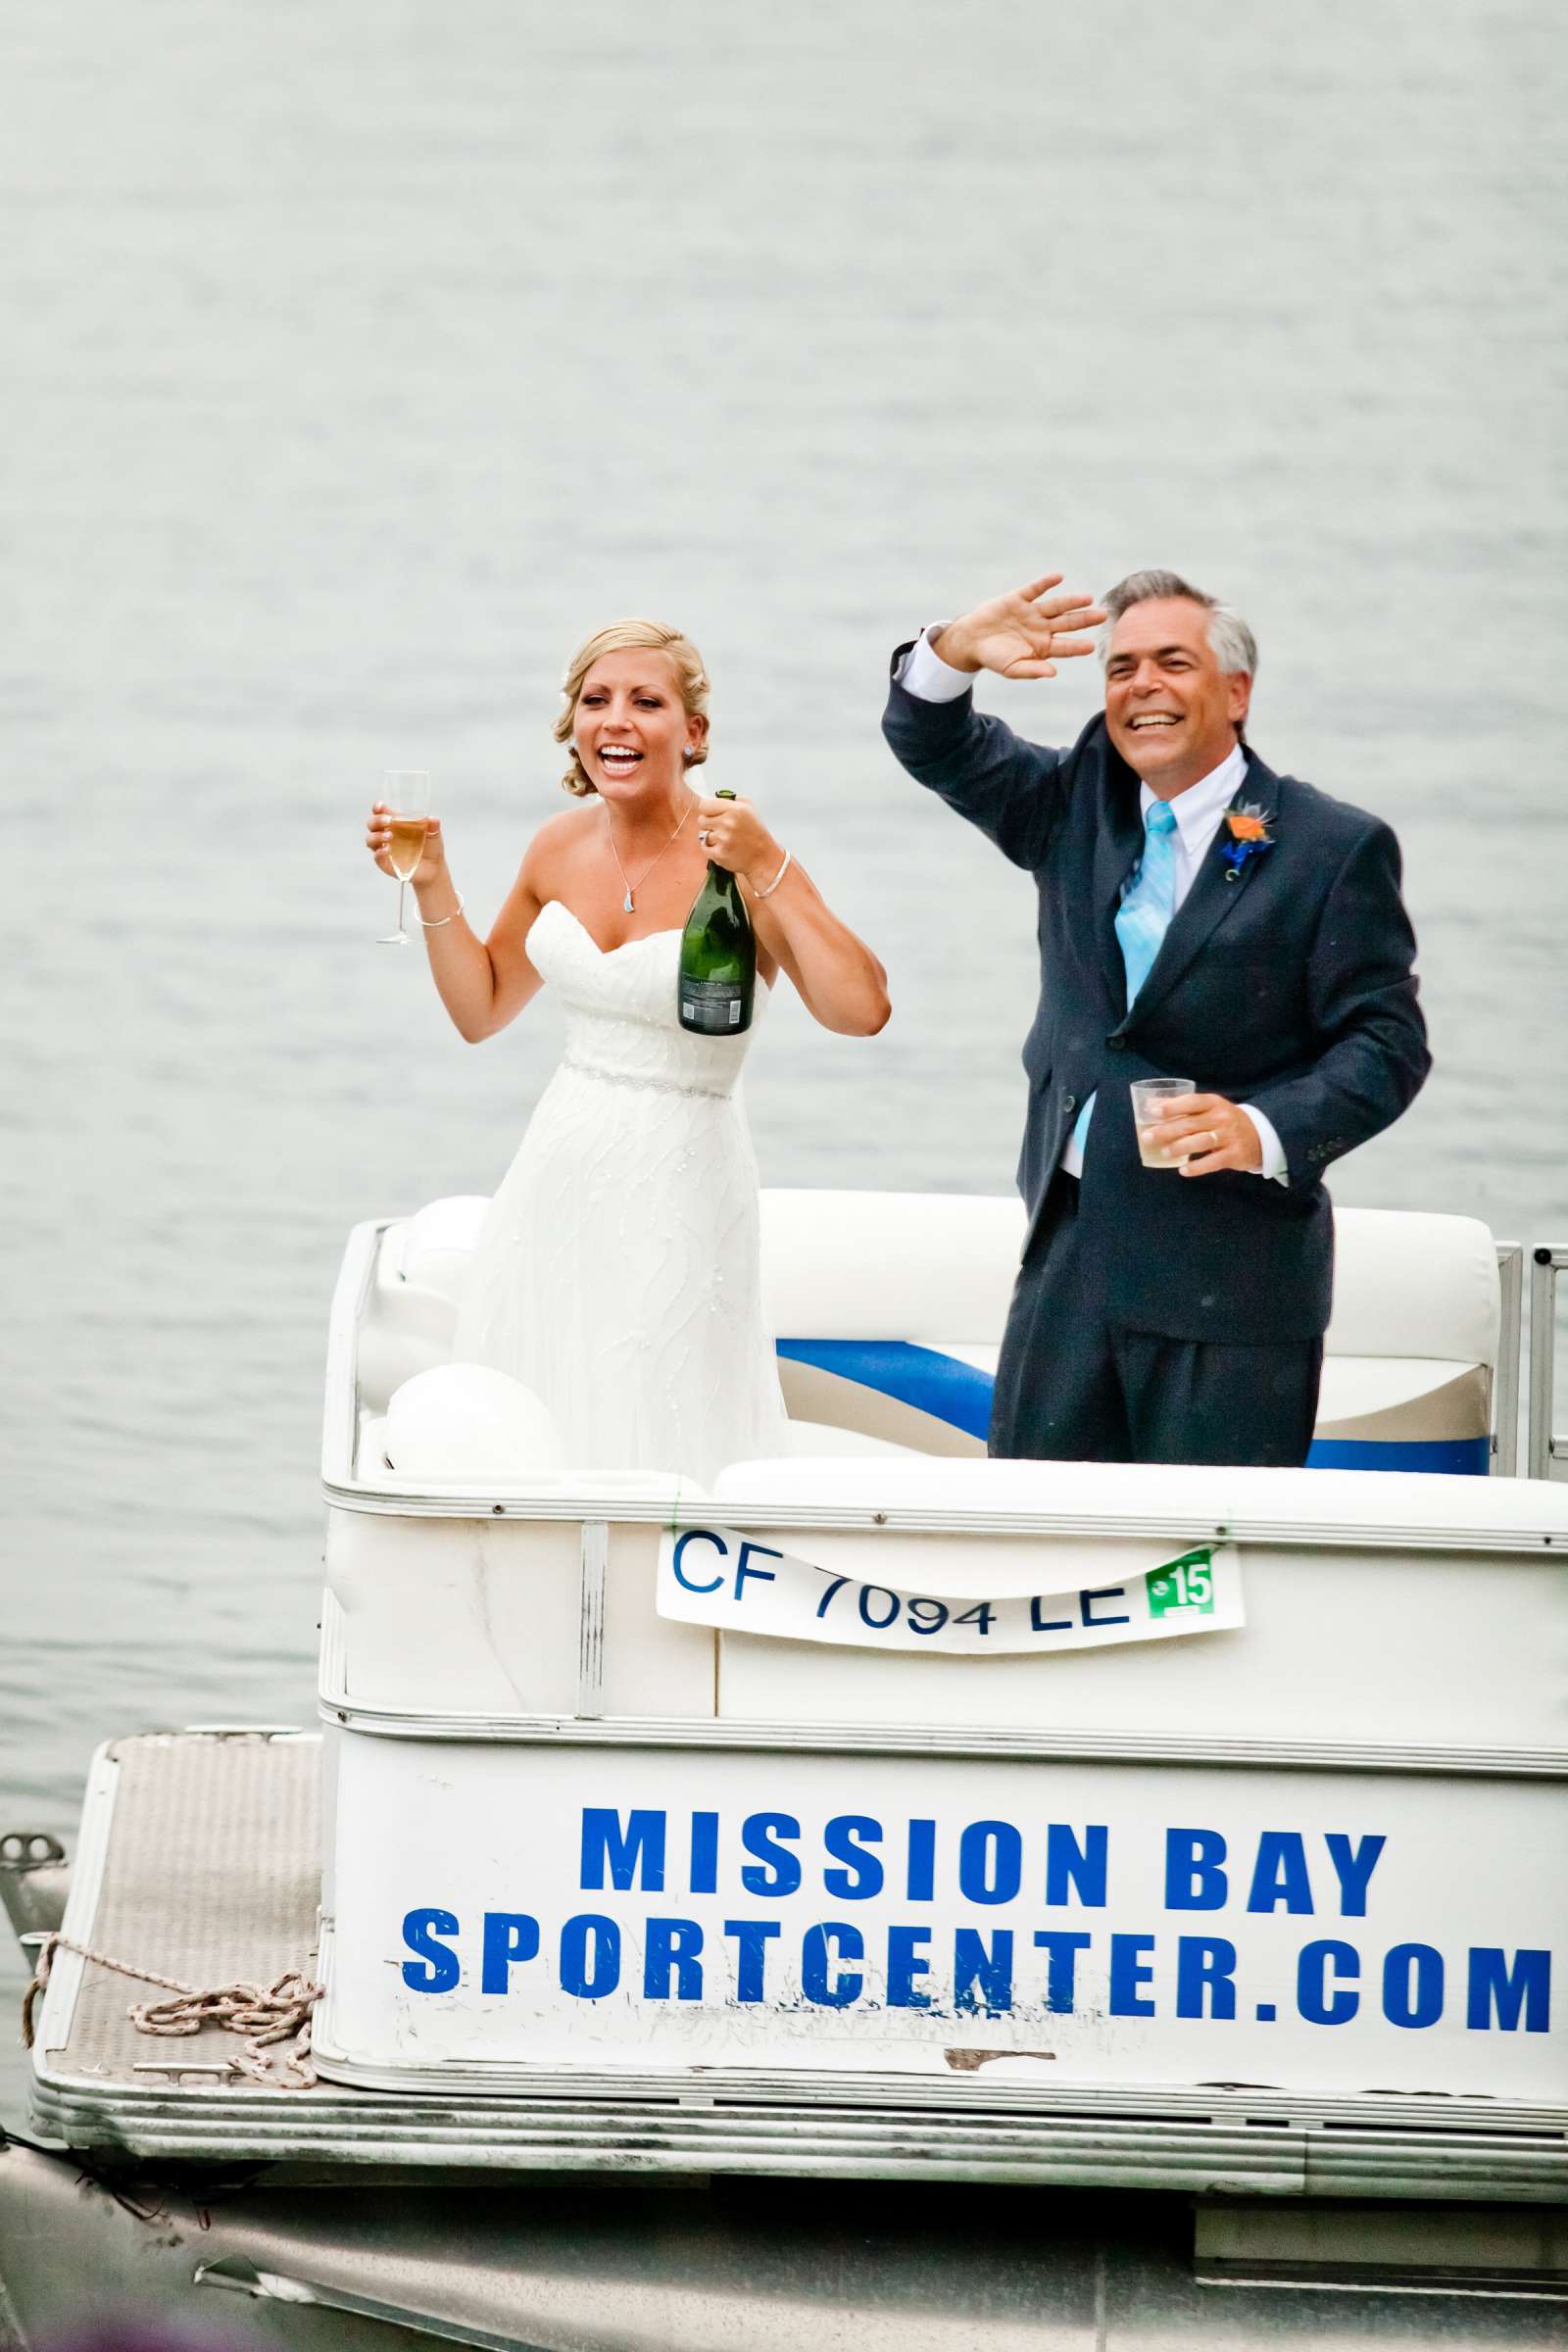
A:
{"points": [[1288, 986]]}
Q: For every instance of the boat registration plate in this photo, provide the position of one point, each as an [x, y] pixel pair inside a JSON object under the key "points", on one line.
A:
{"points": [[717, 1576]]}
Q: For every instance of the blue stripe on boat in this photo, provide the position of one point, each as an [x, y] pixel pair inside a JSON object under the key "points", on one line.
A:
{"points": [[922, 1377], [957, 1393], [1457, 1458]]}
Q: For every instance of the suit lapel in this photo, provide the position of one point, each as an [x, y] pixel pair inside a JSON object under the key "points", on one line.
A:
{"points": [[1214, 895]]}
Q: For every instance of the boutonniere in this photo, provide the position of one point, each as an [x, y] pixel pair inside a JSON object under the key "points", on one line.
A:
{"points": [[1247, 827]]}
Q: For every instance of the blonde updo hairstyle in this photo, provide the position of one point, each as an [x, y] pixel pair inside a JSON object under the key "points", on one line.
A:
{"points": [[623, 636]]}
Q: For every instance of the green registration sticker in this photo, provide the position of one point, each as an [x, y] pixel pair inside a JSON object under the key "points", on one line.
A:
{"points": [[1184, 1582]]}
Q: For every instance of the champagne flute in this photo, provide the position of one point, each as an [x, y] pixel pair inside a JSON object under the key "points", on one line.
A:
{"points": [[408, 817]]}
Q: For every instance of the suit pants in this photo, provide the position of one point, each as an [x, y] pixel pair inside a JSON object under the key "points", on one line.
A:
{"points": [[1072, 1386]]}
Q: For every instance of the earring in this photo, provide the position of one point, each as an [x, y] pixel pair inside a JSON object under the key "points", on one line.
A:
{"points": [[691, 750]]}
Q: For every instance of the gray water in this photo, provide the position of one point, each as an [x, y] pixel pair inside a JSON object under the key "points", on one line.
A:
{"points": [[361, 357]]}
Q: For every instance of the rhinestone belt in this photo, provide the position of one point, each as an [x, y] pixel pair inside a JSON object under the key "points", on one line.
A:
{"points": [[658, 1086]]}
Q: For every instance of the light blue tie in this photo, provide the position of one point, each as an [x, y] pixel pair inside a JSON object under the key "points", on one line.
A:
{"points": [[1143, 917]]}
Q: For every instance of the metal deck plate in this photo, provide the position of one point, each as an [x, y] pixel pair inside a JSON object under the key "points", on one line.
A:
{"points": [[198, 1858]]}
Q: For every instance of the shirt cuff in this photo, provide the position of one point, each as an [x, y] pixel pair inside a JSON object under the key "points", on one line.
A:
{"points": [[1273, 1169], [929, 678]]}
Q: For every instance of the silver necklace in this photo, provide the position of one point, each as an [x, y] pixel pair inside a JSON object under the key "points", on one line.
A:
{"points": [[610, 832]]}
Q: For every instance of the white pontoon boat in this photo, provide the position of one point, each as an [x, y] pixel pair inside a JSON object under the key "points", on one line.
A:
{"points": [[1138, 1882]]}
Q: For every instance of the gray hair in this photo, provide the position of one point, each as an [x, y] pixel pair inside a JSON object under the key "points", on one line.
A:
{"points": [[1232, 644]]}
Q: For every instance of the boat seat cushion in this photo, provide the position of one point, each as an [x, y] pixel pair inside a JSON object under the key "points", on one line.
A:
{"points": [[466, 1421], [867, 1289], [1374, 1413], [1407, 1356], [841, 1265]]}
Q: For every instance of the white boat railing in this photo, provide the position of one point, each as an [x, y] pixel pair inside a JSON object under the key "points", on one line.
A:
{"points": [[1505, 1387], [1547, 1447]]}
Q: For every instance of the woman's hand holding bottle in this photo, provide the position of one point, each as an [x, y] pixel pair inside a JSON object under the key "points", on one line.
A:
{"points": [[735, 836], [840, 981]]}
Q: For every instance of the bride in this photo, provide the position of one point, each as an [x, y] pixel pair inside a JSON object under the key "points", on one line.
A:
{"points": [[617, 1273]]}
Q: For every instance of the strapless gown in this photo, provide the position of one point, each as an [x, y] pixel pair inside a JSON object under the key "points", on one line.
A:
{"points": [[618, 1272]]}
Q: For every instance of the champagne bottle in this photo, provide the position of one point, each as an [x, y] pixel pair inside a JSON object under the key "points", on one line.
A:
{"points": [[717, 957]]}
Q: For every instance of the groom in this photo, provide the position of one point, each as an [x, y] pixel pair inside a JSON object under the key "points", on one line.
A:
{"points": [[1201, 918]]}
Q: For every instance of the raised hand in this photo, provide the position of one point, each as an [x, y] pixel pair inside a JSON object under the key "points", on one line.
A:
{"points": [[1023, 634]]}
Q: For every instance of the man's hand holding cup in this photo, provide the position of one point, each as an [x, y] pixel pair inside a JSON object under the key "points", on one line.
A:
{"points": [[1205, 1132]]}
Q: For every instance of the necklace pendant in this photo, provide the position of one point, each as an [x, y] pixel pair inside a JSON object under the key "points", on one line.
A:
{"points": [[627, 905]]}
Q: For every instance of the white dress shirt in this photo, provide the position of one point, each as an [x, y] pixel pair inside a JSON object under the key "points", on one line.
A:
{"points": [[1198, 812]]}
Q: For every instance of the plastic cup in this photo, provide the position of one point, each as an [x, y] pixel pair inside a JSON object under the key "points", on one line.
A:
{"points": [[1152, 1102]]}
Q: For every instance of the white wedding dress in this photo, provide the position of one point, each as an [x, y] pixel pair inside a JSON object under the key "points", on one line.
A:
{"points": [[618, 1272]]}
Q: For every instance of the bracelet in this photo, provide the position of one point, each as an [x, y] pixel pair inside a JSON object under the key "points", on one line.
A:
{"points": [[777, 878], [442, 921]]}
